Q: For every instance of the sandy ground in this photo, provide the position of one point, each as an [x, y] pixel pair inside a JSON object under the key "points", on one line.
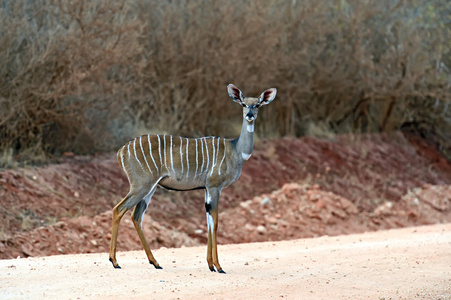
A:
{"points": [[408, 263]]}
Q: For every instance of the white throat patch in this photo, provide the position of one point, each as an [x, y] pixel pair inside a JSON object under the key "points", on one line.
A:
{"points": [[250, 127], [246, 156]]}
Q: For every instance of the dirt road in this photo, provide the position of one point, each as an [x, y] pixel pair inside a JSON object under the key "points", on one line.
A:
{"points": [[409, 263]]}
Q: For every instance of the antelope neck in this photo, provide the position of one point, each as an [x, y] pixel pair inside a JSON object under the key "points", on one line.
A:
{"points": [[245, 142]]}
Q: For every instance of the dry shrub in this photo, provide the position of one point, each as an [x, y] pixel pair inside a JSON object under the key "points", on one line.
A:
{"points": [[85, 76], [58, 65]]}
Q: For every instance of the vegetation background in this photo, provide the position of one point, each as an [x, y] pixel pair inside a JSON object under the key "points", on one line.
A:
{"points": [[86, 76]]}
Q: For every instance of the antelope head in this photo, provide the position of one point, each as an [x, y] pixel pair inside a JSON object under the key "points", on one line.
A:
{"points": [[250, 104]]}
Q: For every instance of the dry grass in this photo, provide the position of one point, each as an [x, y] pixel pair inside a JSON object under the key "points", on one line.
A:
{"points": [[85, 76]]}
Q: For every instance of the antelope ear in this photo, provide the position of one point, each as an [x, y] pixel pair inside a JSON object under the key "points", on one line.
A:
{"points": [[267, 96], [235, 93]]}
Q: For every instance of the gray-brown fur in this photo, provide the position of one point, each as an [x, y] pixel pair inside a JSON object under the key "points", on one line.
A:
{"points": [[178, 163], [184, 167]]}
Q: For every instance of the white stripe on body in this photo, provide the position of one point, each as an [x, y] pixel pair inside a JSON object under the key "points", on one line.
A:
{"points": [[123, 164], [151, 155], [122, 159], [197, 160], [121, 154], [187, 158], [208, 155], [203, 155], [172, 161], [159, 152], [164, 152], [136, 157], [142, 151], [128, 149], [213, 157], [217, 152], [181, 154], [223, 157]]}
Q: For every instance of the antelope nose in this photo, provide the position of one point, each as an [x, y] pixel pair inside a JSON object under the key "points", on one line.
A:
{"points": [[250, 117]]}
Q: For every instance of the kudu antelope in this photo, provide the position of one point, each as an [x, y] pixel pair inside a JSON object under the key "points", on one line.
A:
{"points": [[176, 163]]}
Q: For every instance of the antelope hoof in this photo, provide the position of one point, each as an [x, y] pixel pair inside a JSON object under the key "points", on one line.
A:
{"points": [[156, 266], [212, 269], [116, 266], [221, 271]]}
